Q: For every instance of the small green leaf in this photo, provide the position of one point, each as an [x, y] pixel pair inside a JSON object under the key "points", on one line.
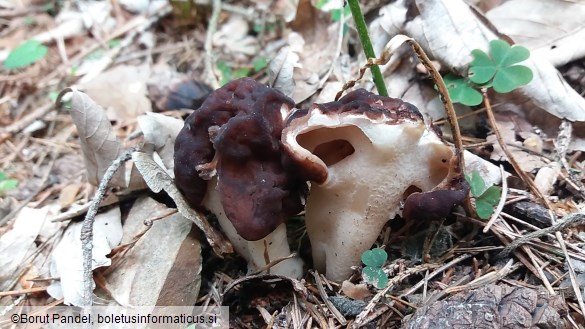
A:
{"points": [[6, 184], [485, 204], [25, 54], [375, 257], [375, 276], [461, 91], [259, 63], [510, 78], [476, 183], [506, 55], [492, 195], [336, 13], [241, 72], [226, 72], [484, 210], [114, 43], [482, 69]]}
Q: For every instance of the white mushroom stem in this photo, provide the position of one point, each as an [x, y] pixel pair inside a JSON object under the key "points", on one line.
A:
{"points": [[254, 251], [371, 166]]}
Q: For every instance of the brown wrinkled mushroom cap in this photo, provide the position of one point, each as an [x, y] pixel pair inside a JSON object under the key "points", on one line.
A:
{"points": [[236, 132]]}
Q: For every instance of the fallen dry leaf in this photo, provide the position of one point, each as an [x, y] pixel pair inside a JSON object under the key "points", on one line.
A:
{"points": [[161, 130], [121, 91], [18, 244], [547, 177], [73, 22], [490, 173], [98, 142], [67, 258], [157, 180], [144, 7], [553, 30], [233, 38], [68, 195], [164, 266], [282, 66], [527, 161], [448, 31], [355, 291]]}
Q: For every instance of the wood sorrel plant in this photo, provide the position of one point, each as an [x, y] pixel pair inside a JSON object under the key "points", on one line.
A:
{"points": [[499, 70]]}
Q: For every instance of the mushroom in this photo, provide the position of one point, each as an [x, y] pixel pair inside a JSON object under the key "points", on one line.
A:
{"points": [[228, 160], [364, 155]]}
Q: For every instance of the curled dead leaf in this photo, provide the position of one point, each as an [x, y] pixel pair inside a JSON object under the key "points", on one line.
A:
{"points": [[99, 144]]}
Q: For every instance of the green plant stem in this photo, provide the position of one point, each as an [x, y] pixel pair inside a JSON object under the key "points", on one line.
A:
{"points": [[360, 24]]}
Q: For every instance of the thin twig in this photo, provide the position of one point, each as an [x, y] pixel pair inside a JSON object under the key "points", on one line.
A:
{"points": [[19, 125], [500, 206], [569, 220], [361, 318], [523, 175], [486, 279], [326, 300], [23, 291], [209, 57], [445, 98], [87, 227], [272, 263], [436, 272]]}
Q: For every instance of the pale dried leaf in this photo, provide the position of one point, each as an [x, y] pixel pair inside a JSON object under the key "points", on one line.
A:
{"points": [[73, 22], [234, 39], [448, 31], [144, 7], [546, 178], [121, 91], [67, 257], [328, 92], [176, 280], [490, 173], [161, 130], [507, 126], [552, 29], [392, 19], [68, 195], [322, 46], [355, 291], [18, 244], [281, 68], [98, 142], [157, 180]]}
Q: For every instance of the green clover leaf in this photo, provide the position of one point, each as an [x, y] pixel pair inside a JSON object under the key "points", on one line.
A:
{"points": [[461, 91], [375, 276], [485, 204], [500, 67], [511, 78], [486, 198], [482, 69], [375, 257], [476, 183]]}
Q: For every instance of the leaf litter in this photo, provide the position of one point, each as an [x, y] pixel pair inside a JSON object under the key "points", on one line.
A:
{"points": [[309, 56]]}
